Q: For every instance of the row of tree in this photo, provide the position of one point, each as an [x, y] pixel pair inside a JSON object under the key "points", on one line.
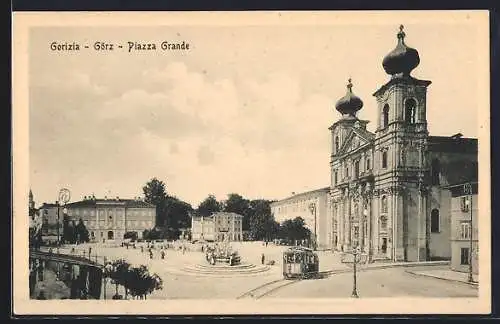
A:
{"points": [[137, 280], [174, 214], [73, 232]]}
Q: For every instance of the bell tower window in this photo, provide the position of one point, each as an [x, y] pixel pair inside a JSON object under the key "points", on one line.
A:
{"points": [[384, 159], [410, 111], [385, 116], [336, 144]]}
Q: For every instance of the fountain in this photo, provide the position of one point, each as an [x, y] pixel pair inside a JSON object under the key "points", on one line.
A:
{"points": [[223, 253], [222, 261]]}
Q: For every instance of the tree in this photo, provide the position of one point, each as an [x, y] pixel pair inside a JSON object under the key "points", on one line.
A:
{"points": [[294, 229], [68, 235], [130, 235], [141, 282], [155, 193], [117, 271], [262, 223], [177, 213], [209, 206], [235, 203], [81, 232]]}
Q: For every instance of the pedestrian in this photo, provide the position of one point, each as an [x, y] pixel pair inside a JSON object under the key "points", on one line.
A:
{"points": [[150, 254], [263, 258], [162, 254], [142, 249], [90, 251]]}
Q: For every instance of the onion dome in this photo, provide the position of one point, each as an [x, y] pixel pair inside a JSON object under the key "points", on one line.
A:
{"points": [[350, 103], [401, 60]]}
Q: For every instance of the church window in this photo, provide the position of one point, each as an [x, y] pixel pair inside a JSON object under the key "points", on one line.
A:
{"points": [[435, 171], [435, 221], [410, 109], [336, 144], [367, 164], [383, 203], [335, 177], [384, 159], [385, 116], [356, 168]]}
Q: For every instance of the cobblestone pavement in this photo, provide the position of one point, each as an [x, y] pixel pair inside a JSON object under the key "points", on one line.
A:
{"points": [[391, 282], [373, 283]]}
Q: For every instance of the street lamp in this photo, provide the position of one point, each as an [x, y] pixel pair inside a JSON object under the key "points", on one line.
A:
{"points": [[355, 253], [365, 225], [468, 203], [58, 225], [312, 208]]}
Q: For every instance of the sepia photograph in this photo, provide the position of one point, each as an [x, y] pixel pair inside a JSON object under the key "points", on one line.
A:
{"points": [[251, 163]]}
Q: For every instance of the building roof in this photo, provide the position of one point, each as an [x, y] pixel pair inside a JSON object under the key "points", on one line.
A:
{"points": [[454, 144], [217, 214], [460, 172], [48, 205], [300, 195], [128, 203]]}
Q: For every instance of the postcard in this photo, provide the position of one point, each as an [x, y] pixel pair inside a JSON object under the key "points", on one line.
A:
{"points": [[225, 163]]}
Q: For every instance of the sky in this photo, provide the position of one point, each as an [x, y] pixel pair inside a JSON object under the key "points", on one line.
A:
{"points": [[245, 110]]}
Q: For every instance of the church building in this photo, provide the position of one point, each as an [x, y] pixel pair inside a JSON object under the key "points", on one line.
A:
{"points": [[389, 189]]}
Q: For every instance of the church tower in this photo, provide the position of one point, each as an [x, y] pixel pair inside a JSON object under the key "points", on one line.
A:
{"points": [[400, 150]]}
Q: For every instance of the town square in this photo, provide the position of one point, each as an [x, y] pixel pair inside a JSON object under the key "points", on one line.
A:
{"points": [[229, 171]]}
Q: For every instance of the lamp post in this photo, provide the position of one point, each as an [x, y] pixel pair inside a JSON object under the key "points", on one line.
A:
{"points": [[58, 225], [468, 203], [366, 226], [312, 208], [355, 253], [64, 196]]}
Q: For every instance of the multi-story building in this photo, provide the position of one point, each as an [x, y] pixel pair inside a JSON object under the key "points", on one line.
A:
{"points": [[105, 219], [464, 226], [313, 207], [217, 227], [388, 191]]}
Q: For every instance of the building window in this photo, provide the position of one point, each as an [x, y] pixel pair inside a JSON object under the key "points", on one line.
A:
{"points": [[385, 116], [464, 256], [335, 177], [367, 164], [435, 171], [465, 230], [383, 203], [464, 203], [356, 168], [384, 159], [336, 144], [410, 109], [435, 221]]}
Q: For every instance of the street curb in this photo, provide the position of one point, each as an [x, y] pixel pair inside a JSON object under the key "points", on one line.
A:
{"points": [[473, 284], [386, 266]]}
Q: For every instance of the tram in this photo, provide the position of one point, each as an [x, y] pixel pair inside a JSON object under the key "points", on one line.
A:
{"points": [[300, 263]]}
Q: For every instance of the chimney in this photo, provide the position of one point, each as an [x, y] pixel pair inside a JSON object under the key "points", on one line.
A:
{"points": [[293, 193], [105, 197], [117, 198], [84, 197]]}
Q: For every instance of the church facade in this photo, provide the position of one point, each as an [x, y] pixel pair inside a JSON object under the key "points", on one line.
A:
{"points": [[388, 192]]}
